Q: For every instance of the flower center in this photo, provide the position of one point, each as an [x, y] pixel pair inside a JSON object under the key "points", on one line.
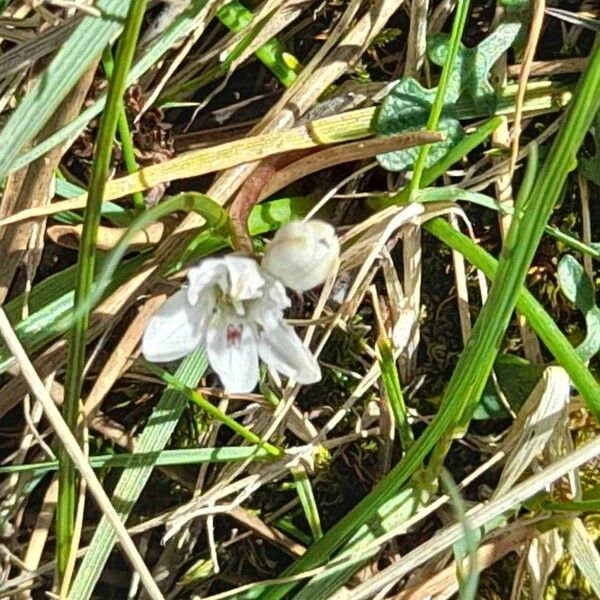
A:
{"points": [[226, 303], [234, 335]]}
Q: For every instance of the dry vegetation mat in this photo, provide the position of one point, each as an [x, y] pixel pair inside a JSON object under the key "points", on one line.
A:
{"points": [[300, 300]]}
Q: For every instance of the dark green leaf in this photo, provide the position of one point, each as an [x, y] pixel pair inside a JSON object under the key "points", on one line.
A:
{"points": [[575, 284], [516, 379], [407, 108], [579, 289], [472, 66]]}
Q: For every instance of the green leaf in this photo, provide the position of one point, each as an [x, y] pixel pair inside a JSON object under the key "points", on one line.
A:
{"points": [[575, 284], [590, 166], [407, 108], [579, 289], [408, 105], [472, 66], [516, 379]]}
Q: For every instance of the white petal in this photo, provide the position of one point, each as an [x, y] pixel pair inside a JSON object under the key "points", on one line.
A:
{"points": [[245, 281], [302, 255], [173, 331], [209, 273], [282, 350], [232, 353]]}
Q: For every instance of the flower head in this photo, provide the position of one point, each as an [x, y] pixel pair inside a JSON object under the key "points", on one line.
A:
{"points": [[235, 309], [302, 254]]}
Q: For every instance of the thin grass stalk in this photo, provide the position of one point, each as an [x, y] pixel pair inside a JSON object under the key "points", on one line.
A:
{"points": [[175, 383], [458, 26], [454, 194], [468, 575], [473, 368], [393, 392], [65, 513], [272, 54], [108, 63], [185, 456], [308, 501]]}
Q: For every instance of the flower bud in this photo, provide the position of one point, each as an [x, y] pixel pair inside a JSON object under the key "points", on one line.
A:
{"points": [[302, 255]]}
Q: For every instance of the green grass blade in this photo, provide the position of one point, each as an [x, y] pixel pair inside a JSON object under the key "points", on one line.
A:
{"points": [[180, 27], [70, 63], [389, 516], [308, 502], [52, 303], [475, 363], [165, 458], [65, 508], [125, 138], [458, 25], [393, 392], [153, 439], [539, 320], [198, 399]]}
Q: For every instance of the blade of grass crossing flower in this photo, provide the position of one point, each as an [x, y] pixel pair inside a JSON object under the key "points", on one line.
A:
{"points": [[462, 12], [74, 57], [214, 215], [51, 300], [393, 392], [65, 512], [308, 502], [475, 363], [154, 437]]}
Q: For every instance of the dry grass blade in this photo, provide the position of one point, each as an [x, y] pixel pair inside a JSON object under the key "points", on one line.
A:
{"points": [[349, 152], [584, 552], [539, 7], [70, 443], [478, 517], [543, 411], [36, 188], [75, 56], [349, 126]]}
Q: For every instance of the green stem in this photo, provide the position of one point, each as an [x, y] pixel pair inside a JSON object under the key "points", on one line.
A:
{"points": [[462, 12], [185, 456], [476, 361], [129, 159], [393, 392], [65, 513], [539, 320], [213, 411]]}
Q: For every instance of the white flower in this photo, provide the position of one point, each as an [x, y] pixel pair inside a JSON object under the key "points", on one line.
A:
{"points": [[235, 309], [302, 254]]}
